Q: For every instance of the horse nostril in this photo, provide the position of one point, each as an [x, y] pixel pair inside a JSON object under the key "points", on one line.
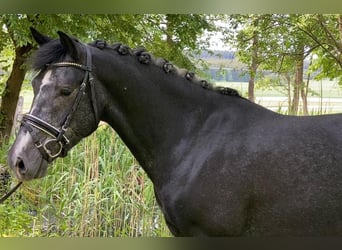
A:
{"points": [[21, 167]]}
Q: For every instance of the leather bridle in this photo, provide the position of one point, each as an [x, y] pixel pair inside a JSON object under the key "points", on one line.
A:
{"points": [[58, 135]]}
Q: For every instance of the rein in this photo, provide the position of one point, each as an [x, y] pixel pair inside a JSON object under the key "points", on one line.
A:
{"points": [[6, 196], [58, 137]]}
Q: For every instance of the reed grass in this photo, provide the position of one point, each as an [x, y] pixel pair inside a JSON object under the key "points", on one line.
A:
{"points": [[98, 190]]}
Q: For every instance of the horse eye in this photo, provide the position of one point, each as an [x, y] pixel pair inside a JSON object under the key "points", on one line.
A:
{"points": [[66, 91]]}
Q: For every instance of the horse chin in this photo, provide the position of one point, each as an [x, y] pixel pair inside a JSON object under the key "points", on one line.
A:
{"points": [[42, 170]]}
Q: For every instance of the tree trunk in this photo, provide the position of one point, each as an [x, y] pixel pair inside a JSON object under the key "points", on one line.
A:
{"points": [[11, 93], [340, 31], [299, 83], [289, 100], [305, 90], [254, 63], [251, 84], [295, 98], [300, 80], [304, 95]]}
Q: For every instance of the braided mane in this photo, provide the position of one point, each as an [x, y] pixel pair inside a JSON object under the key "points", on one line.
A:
{"points": [[54, 51], [145, 57]]}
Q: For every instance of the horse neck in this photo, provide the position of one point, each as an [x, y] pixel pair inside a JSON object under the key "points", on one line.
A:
{"points": [[151, 110]]}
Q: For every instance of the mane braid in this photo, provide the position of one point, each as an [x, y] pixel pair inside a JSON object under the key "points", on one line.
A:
{"points": [[145, 57]]}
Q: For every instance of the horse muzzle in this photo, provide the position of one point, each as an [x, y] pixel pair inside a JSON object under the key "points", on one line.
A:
{"points": [[25, 159]]}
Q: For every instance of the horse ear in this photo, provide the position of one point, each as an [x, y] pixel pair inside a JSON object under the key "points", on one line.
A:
{"points": [[40, 38], [69, 44]]}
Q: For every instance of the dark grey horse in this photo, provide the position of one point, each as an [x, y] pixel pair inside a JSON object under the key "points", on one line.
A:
{"points": [[220, 164]]}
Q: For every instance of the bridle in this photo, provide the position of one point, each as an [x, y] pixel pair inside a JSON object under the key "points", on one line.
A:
{"points": [[58, 135]]}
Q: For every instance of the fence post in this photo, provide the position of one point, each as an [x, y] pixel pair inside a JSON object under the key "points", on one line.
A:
{"points": [[17, 115]]}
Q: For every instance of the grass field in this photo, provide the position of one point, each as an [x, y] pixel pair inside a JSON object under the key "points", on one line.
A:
{"points": [[324, 88], [324, 96]]}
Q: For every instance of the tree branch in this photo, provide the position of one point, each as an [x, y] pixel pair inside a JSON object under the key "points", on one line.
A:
{"points": [[321, 45], [328, 33]]}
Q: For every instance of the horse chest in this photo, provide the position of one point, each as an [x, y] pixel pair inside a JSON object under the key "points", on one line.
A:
{"points": [[194, 204]]}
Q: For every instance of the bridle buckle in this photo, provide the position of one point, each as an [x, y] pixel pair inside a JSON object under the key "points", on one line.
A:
{"points": [[49, 151]]}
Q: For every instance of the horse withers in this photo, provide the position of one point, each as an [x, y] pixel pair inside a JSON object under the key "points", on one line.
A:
{"points": [[220, 164]]}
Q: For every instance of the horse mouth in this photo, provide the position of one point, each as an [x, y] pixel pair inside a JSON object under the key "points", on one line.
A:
{"points": [[27, 173]]}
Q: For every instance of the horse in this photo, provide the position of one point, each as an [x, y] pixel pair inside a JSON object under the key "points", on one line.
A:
{"points": [[220, 164]]}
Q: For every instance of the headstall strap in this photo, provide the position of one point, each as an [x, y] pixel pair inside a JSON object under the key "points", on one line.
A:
{"points": [[58, 135]]}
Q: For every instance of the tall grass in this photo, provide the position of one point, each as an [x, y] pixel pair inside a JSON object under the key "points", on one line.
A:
{"points": [[97, 190]]}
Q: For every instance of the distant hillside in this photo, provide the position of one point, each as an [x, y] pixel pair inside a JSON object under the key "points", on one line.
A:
{"points": [[224, 54], [224, 66]]}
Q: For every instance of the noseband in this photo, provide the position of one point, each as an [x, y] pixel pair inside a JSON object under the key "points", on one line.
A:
{"points": [[58, 137]]}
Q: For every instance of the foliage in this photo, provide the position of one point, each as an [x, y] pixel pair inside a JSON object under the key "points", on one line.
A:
{"points": [[327, 33], [6, 60], [281, 34], [149, 30], [173, 36], [281, 42]]}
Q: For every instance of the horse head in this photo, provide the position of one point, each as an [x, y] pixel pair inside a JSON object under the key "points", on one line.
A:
{"points": [[63, 110]]}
